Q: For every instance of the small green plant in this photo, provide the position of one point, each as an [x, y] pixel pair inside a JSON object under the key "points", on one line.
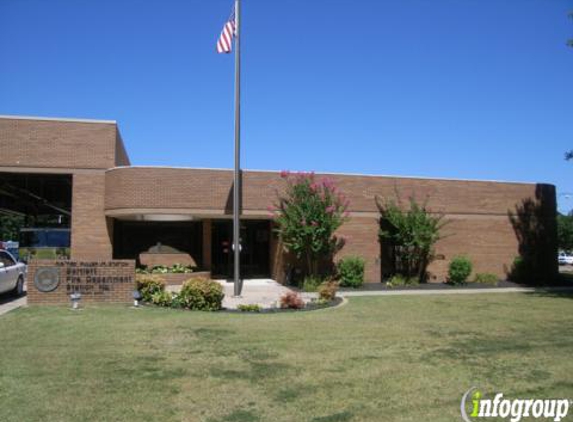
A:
{"points": [[177, 301], [486, 278], [311, 283], [162, 298], [399, 280], [327, 291], [249, 308], [159, 269], [350, 271], [148, 285], [181, 269], [292, 300], [459, 270], [162, 269], [201, 294]]}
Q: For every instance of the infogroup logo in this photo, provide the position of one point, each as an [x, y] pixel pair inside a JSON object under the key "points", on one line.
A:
{"points": [[513, 409]]}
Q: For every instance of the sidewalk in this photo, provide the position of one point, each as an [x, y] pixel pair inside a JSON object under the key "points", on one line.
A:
{"points": [[7, 305]]}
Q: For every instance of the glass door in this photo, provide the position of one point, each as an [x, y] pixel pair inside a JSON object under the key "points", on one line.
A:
{"points": [[255, 252]]}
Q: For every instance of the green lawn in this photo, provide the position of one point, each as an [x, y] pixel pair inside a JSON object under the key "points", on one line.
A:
{"points": [[374, 359]]}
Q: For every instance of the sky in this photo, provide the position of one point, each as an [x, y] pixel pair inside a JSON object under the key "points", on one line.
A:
{"points": [[464, 89]]}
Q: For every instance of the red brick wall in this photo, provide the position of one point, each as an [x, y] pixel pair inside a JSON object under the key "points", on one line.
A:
{"points": [[121, 157], [60, 144], [477, 212], [120, 290], [362, 240], [92, 234], [160, 188]]}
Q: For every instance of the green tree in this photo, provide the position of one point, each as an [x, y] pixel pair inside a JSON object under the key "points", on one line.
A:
{"points": [[413, 231], [308, 214], [10, 226], [565, 232]]}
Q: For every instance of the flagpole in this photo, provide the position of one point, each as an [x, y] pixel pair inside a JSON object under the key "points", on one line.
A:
{"points": [[237, 170]]}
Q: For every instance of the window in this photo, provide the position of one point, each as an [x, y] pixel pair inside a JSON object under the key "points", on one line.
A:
{"points": [[6, 259]]}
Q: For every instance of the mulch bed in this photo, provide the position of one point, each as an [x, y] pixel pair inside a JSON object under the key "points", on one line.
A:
{"points": [[309, 307], [376, 287]]}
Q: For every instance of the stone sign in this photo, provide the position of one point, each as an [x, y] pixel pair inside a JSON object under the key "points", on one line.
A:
{"points": [[53, 281]]}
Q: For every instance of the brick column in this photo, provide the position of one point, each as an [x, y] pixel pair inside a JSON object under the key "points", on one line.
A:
{"points": [[90, 236]]}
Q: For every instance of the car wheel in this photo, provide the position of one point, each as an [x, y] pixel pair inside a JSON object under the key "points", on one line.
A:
{"points": [[19, 289]]}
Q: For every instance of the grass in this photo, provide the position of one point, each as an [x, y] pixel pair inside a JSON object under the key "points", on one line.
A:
{"points": [[376, 359]]}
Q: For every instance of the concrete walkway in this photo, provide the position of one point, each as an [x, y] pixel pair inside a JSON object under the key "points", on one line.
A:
{"points": [[9, 304], [263, 292]]}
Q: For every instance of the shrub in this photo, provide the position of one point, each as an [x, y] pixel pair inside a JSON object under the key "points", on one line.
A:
{"points": [[201, 294], [311, 283], [148, 285], [412, 232], [350, 271], [249, 308], [162, 298], [177, 301], [308, 214], [327, 290], [486, 278], [292, 300], [400, 280], [520, 270], [459, 270]]}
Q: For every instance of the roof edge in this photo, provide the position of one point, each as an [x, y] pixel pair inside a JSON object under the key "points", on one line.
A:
{"points": [[57, 119], [327, 173]]}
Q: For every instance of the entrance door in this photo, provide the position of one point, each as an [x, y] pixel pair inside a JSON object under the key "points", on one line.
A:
{"points": [[255, 253]]}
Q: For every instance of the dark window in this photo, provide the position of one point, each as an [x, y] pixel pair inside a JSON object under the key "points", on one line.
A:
{"points": [[132, 238], [45, 238], [58, 238]]}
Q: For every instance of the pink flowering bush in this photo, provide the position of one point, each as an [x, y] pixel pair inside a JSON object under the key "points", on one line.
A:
{"points": [[308, 214]]}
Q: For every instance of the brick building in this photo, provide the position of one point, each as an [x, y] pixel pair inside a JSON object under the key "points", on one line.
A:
{"points": [[120, 211]]}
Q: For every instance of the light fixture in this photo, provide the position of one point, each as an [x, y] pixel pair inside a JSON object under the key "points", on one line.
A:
{"points": [[136, 298], [75, 298]]}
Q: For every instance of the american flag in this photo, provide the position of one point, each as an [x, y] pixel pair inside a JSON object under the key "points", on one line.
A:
{"points": [[225, 41]]}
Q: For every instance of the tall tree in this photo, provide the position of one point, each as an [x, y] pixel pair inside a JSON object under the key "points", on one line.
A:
{"points": [[10, 226], [307, 214], [565, 232]]}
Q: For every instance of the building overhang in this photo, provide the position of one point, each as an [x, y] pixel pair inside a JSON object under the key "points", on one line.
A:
{"points": [[180, 215]]}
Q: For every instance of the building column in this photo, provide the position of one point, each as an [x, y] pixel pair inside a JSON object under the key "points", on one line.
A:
{"points": [[91, 238], [207, 244]]}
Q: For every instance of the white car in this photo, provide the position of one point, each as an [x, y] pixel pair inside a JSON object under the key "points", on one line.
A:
{"points": [[12, 274], [565, 259]]}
